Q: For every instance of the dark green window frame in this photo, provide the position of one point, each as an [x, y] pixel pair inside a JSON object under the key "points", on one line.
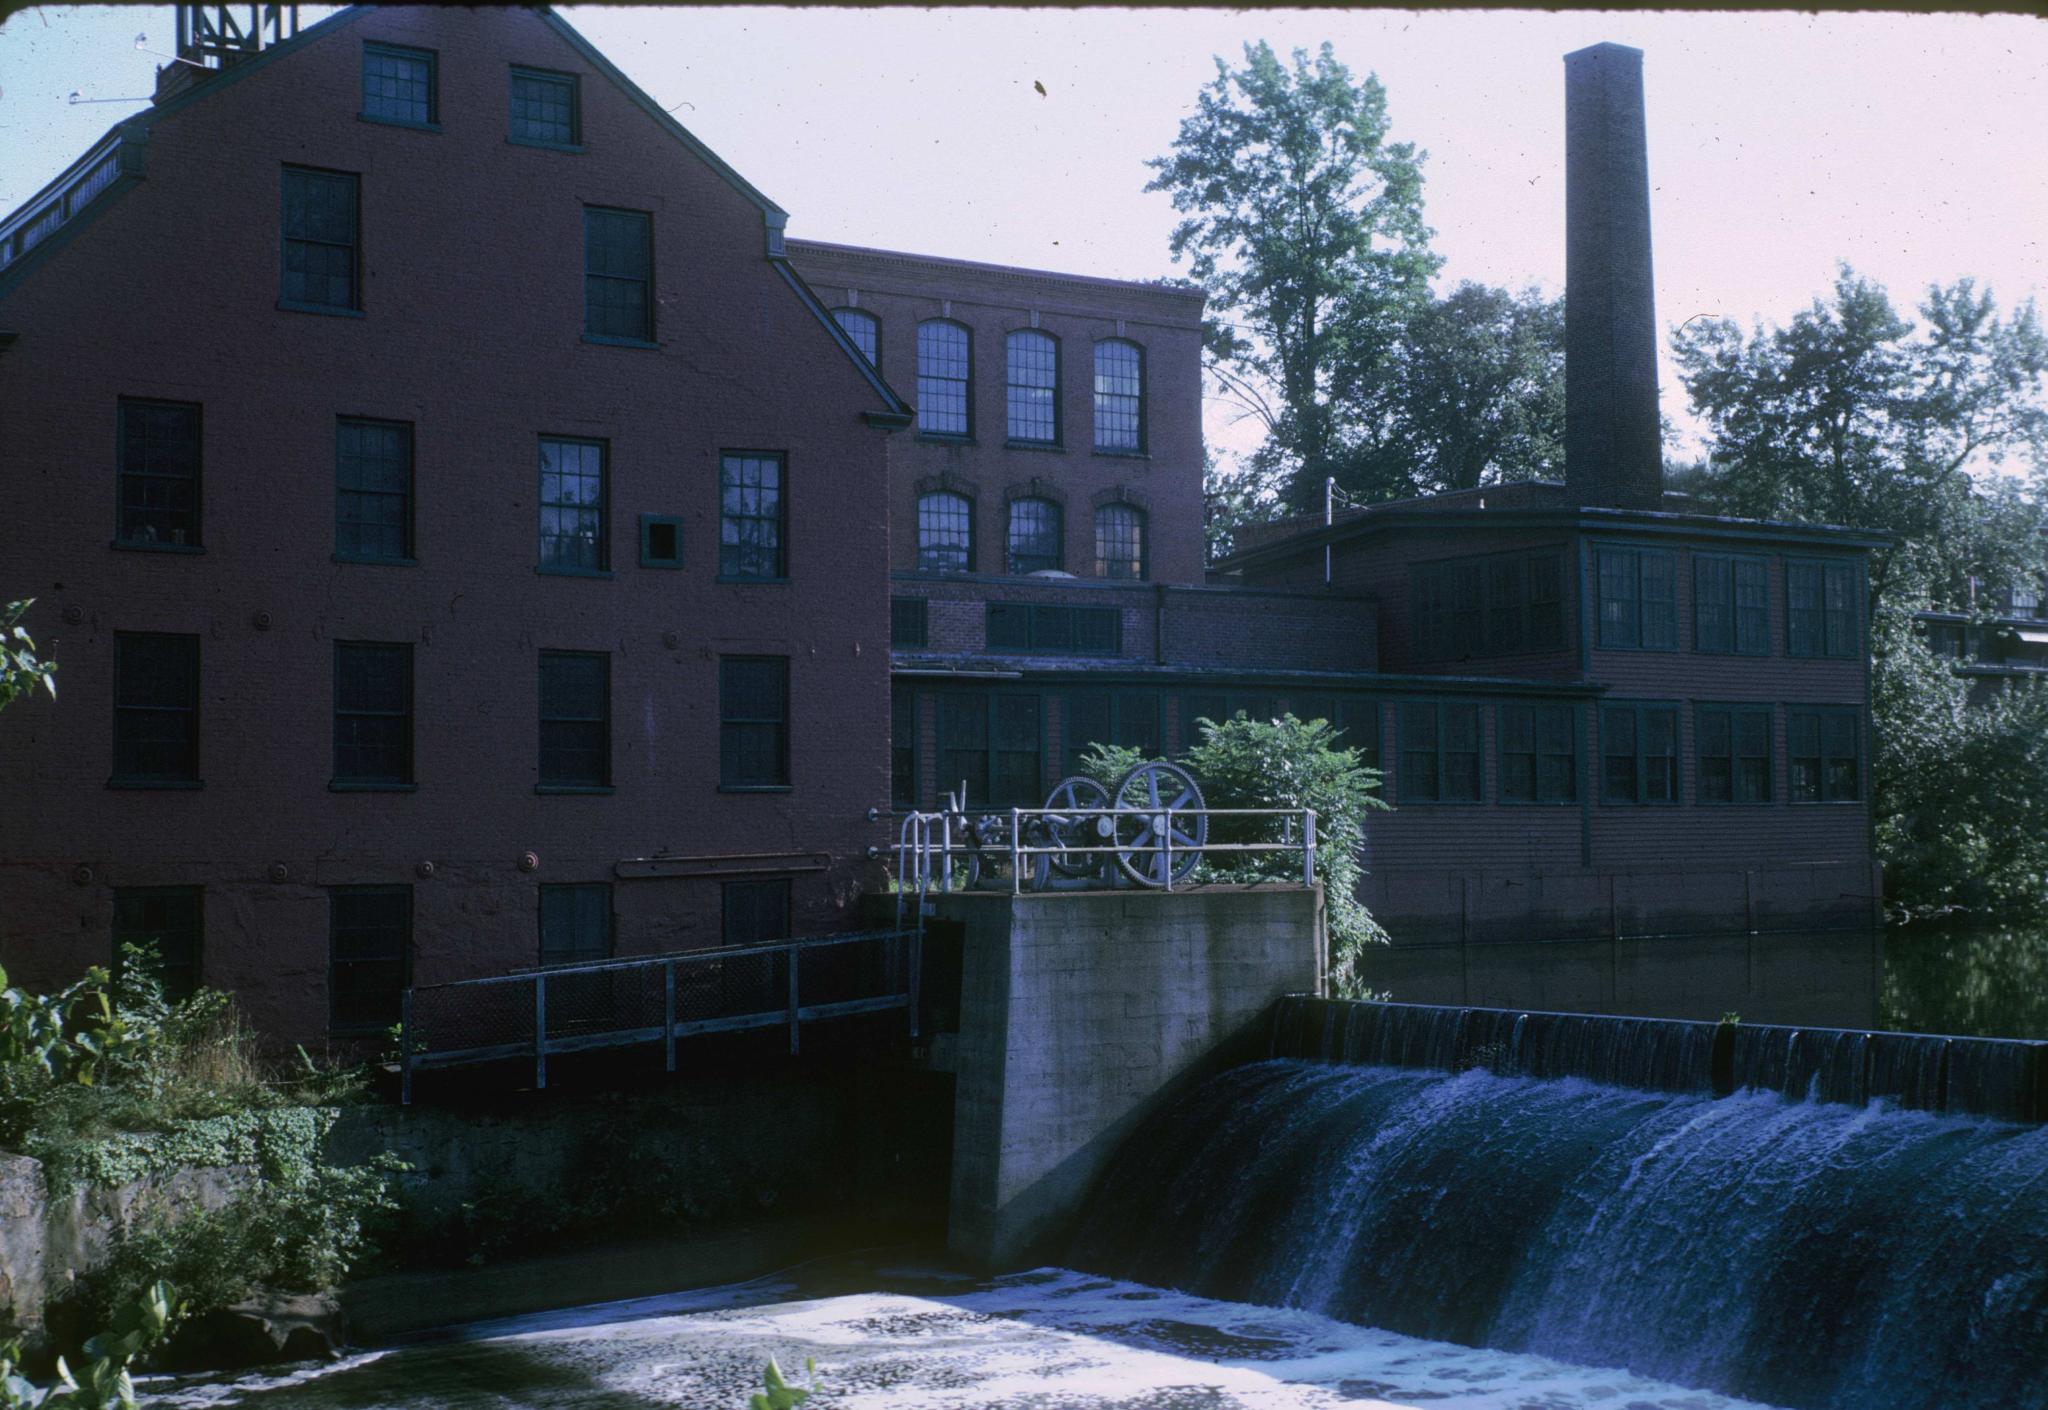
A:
{"points": [[1731, 604], [1637, 598], [1131, 719], [1035, 540], [373, 488], [1496, 604], [576, 924], [159, 455], [390, 73], [533, 94], [909, 622], [373, 705], [1539, 752], [1031, 360], [1731, 754], [661, 541], [753, 516], [156, 710], [1123, 539], [753, 724], [171, 922], [575, 507], [618, 276], [369, 957], [1824, 754], [1636, 767], [575, 722], [1054, 630], [995, 741], [320, 255], [945, 379], [903, 731], [1442, 752], [1824, 608]]}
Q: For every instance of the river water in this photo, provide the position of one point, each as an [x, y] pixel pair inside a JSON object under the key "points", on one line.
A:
{"points": [[922, 1338]]}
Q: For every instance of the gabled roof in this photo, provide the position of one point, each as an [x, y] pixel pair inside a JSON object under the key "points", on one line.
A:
{"points": [[85, 188]]}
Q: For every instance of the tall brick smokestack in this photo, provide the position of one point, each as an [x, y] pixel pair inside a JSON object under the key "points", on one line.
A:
{"points": [[1613, 449]]}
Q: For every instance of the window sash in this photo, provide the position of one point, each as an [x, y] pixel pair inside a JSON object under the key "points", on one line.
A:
{"points": [[398, 84], [369, 956], [863, 329], [753, 513], [1824, 755], [1120, 543], [945, 533], [753, 721], [754, 912], [945, 374], [1440, 753], [995, 742], [169, 920], [1823, 611], [1539, 753], [575, 923], [575, 719], [373, 489], [1731, 605], [909, 622], [1033, 387], [1054, 629], [1035, 536], [159, 472], [372, 712], [574, 505], [1119, 396], [1638, 598], [156, 707], [320, 235], [1639, 754], [903, 781], [618, 274], [1492, 605], [1130, 719], [1732, 754], [545, 108]]}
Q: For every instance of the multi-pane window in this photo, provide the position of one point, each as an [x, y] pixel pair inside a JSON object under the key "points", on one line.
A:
{"points": [[1500, 605], [1126, 718], [575, 719], [1120, 542], [369, 956], [1821, 747], [618, 274], [1539, 755], [1439, 753], [1069, 631], [1119, 396], [1731, 604], [320, 239], [1034, 387], [1822, 611], [372, 713], [158, 499], [1638, 598], [1639, 754], [156, 708], [754, 912], [1731, 747], [945, 370], [752, 515], [167, 921], [373, 490], [902, 746], [909, 621], [864, 329], [1357, 723], [572, 506], [2023, 600], [544, 108], [945, 533], [398, 85], [1035, 536], [753, 721], [994, 743], [575, 923]]}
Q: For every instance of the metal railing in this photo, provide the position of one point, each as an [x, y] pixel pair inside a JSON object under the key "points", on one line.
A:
{"points": [[928, 844], [576, 1008]]}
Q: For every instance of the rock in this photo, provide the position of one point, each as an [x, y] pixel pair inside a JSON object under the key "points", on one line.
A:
{"points": [[262, 1330]]}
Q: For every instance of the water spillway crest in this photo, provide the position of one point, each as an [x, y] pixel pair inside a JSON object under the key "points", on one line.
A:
{"points": [[1805, 1254]]}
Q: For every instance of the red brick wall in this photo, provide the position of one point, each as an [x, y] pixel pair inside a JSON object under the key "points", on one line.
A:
{"points": [[472, 292], [904, 290]]}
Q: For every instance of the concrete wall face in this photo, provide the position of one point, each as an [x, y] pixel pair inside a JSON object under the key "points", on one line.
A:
{"points": [[472, 315], [1079, 1013]]}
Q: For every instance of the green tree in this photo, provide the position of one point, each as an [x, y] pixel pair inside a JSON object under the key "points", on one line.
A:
{"points": [[1305, 225], [21, 669]]}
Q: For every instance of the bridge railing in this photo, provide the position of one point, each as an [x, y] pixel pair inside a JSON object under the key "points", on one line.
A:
{"points": [[535, 1014]]}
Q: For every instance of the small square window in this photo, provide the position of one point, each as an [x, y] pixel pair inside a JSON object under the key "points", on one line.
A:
{"points": [[545, 108], [661, 541], [399, 85]]}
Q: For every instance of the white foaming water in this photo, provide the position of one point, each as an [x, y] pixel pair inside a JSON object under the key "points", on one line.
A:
{"points": [[1050, 1338]]}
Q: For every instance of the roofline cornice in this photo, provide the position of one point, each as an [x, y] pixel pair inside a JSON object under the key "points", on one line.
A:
{"points": [[912, 263]]}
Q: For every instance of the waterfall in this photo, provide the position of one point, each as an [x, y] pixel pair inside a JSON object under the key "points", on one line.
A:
{"points": [[1996, 1077], [1809, 1254]]}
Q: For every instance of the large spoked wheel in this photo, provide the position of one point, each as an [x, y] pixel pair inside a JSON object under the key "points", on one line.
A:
{"points": [[1152, 802], [1087, 830]]}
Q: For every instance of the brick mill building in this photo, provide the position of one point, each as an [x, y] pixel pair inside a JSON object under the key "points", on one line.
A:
{"points": [[472, 536]]}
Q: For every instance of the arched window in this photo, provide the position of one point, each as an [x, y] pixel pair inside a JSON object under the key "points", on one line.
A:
{"points": [[945, 533], [1120, 541], [945, 373], [1035, 533], [1034, 386], [1119, 396], [864, 329]]}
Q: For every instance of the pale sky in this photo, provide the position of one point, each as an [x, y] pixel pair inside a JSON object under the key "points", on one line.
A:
{"points": [[1908, 145]]}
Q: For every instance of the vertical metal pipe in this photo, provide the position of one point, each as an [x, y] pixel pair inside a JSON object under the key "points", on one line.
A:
{"points": [[1016, 855], [1308, 847]]}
